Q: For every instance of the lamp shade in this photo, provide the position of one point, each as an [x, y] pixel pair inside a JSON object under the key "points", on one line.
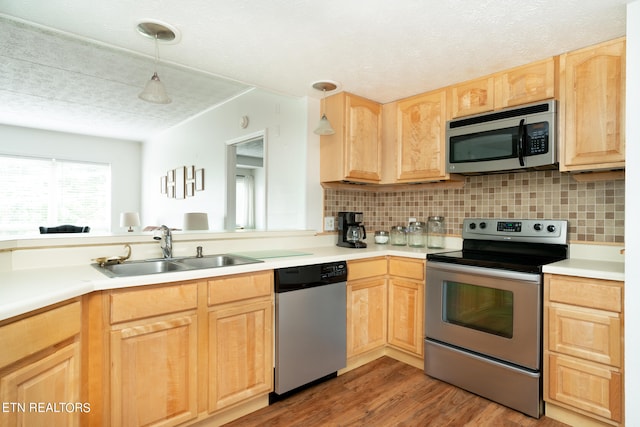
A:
{"points": [[195, 221], [324, 127], [129, 219], [154, 91]]}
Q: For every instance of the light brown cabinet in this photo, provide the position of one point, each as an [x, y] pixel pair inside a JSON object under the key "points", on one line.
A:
{"points": [[366, 306], [43, 368], [472, 97], [240, 338], [526, 84], [181, 352], [354, 152], [592, 95], [583, 350], [406, 304], [420, 143], [153, 352]]}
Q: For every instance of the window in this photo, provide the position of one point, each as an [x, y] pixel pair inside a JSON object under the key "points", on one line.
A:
{"points": [[49, 192], [245, 212]]}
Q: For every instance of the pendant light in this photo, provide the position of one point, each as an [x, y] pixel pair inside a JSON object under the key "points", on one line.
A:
{"points": [[154, 91], [324, 127]]}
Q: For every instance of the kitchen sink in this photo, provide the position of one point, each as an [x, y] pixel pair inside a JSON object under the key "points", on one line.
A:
{"points": [[213, 261], [155, 266]]}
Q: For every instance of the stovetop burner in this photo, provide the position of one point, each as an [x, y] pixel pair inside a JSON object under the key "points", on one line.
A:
{"points": [[507, 244]]}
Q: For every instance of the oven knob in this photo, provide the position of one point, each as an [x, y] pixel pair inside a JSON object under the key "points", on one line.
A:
{"points": [[537, 227], [483, 225], [551, 228], [472, 226]]}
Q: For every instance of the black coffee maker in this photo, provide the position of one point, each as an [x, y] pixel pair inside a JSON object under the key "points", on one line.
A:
{"points": [[351, 232]]}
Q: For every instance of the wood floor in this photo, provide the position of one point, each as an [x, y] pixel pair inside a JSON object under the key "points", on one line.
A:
{"points": [[387, 393]]}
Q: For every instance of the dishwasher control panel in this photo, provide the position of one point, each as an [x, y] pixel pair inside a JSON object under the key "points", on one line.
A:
{"points": [[309, 276]]}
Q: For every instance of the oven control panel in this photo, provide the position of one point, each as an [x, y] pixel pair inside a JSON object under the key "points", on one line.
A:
{"points": [[521, 230]]}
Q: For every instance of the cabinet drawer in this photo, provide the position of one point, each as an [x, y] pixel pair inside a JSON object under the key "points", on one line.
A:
{"points": [[371, 267], [405, 267], [240, 287], [587, 386], [593, 293], [140, 303], [35, 333], [587, 334]]}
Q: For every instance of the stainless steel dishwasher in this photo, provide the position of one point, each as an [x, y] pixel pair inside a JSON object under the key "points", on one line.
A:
{"points": [[311, 325]]}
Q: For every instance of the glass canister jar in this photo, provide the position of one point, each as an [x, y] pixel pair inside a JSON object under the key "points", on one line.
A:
{"points": [[398, 236], [381, 237], [416, 234], [435, 232]]}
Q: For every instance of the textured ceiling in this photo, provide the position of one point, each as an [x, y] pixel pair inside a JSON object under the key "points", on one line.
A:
{"points": [[78, 65]]}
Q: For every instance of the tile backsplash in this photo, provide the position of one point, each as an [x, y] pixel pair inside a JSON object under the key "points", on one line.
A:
{"points": [[595, 210]]}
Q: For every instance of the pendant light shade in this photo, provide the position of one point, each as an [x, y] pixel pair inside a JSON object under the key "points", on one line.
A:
{"points": [[324, 126], [154, 91]]}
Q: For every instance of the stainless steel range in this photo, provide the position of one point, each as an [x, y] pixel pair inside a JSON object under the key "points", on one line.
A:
{"points": [[483, 320]]}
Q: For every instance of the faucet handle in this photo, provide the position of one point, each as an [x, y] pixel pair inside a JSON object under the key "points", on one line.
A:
{"points": [[199, 252]]}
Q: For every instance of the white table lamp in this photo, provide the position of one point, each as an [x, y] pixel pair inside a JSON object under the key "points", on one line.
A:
{"points": [[129, 219]]}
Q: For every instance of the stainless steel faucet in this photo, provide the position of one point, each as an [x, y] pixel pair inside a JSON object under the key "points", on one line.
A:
{"points": [[166, 241]]}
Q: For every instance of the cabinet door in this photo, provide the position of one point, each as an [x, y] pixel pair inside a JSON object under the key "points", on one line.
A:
{"points": [[421, 137], [587, 386], [588, 334], [366, 315], [154, 372], [406, 301], [522, 85], [47, 383], [363, 145], [592, 86], [472, 97], [240, 353]]}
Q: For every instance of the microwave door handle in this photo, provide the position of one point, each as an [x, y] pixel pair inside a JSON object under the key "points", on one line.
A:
{"points": [[522, 136]]}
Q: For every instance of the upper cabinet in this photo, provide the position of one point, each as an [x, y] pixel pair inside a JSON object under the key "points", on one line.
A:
{"points": [[592, 96], [521, 85], [528, 83], [472, 97], [420, 143], [353, 153]]}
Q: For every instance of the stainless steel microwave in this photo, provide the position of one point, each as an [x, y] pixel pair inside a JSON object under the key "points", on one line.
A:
{"points": [[516, 138]]}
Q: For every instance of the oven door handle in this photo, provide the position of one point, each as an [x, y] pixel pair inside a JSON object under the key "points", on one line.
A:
{"points": [[484, 271]]}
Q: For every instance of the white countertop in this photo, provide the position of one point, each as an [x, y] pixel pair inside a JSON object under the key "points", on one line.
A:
{"points": [[595, 269], [25, 290]]}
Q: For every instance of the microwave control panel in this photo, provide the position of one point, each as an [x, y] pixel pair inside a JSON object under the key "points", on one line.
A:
{"points": [[537, 139]]}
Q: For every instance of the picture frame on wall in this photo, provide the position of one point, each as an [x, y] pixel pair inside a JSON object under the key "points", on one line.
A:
{"points": [[199, 179], [163, 184], [180, 182]]}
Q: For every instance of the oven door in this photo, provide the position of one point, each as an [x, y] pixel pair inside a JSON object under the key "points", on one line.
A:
{"points": [[487, 311]]}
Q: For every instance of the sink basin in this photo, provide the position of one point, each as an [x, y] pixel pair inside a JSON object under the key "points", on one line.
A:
{"points": [[154, 266], [213, 261], [139, 268]]}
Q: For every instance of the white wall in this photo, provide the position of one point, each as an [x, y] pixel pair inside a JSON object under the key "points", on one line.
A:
{"points": [[124, 157], [632, 226], [201, 141]]}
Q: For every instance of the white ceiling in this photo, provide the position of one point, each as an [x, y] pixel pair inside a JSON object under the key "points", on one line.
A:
{"points": [[78, 65]]}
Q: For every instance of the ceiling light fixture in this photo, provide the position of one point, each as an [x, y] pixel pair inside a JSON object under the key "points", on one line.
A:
{"points": [[154, 91], [324, 127]]}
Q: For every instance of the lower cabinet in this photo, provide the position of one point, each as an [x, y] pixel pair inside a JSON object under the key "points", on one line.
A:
{"points": [[40, 382], [240, 353], [181, 352], [366, 306], [406, 304], [385, 305], [583, 348]]}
